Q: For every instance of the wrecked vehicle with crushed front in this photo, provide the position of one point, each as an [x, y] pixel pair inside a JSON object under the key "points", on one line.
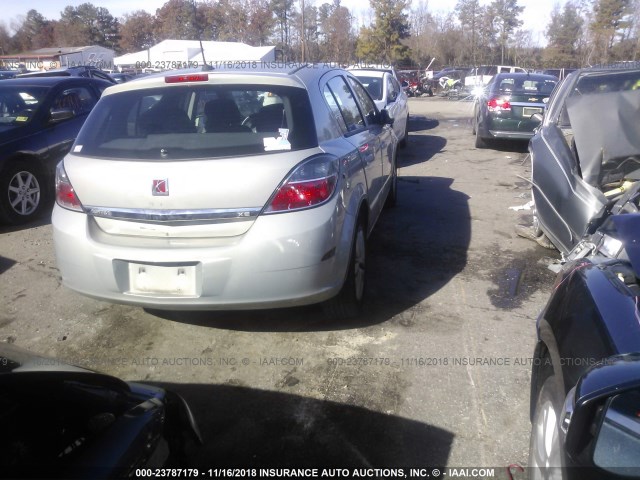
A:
{"points": [[64, 421], [585, 162]]}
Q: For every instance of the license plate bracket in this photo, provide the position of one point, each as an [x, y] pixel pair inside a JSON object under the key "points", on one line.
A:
{"points": [[169, 280], [528, 111]]}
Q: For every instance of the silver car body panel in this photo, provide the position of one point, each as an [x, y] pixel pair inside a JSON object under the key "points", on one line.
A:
{"points": [[582, 137]]}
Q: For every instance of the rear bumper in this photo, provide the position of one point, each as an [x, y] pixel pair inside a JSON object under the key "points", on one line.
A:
{"points": [[289, 259], [514, 135]]}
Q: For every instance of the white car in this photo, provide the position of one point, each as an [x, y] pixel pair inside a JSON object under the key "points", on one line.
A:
{"points": [[220, 190], [388, 94], [481, 76]]}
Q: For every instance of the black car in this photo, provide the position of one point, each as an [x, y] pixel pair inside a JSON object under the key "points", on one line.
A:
{"points": [[122, 77], [39, 120], [504, 108], [585, 382], [585, 155], [86, 71], [62, 421], [4, 74]]}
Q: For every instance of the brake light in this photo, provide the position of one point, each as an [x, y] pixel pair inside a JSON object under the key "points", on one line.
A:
{"points": [[311, 184], [65, 194], [192, 77], [498, 105]]}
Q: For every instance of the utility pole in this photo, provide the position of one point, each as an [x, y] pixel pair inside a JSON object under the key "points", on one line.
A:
{"points": [[303, 59]]}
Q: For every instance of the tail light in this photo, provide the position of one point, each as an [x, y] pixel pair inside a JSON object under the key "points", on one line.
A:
{"points": [[191, 77], [310, 184], [65, 194], [498, 105]]}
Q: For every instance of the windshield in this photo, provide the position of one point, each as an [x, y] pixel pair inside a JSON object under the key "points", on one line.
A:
{"points": [[373, 86], [18, 105], [202, 121], [607, 82]]}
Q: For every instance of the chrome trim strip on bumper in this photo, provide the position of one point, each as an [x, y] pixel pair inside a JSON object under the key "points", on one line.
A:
{"points": [[174, 216]]}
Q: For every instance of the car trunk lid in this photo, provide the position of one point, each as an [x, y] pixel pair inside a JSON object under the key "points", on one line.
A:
{"points": [[188, 198]]}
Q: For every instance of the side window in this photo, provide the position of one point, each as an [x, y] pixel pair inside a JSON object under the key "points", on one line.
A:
{"points": [[335, 109], [78, 99], [392, 91], [368, 107], [346, 103]]}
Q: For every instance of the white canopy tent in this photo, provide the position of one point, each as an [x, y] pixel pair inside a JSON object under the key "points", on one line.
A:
{"points": [[171, 54]]}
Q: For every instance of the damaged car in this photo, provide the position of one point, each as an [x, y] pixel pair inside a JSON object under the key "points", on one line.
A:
{"points": [[63, 421], [585, 160]]}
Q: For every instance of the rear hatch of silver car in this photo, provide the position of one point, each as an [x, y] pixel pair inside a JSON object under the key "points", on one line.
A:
{"points": [[194, 160]]}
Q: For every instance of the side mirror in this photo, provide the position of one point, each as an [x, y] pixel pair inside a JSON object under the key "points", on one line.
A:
{"points": [[537, 117], [386, 117], [405, 84], [60, 114], [617, 442], [602, 409]]}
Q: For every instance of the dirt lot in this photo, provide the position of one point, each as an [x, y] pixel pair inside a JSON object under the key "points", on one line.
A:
{"points": [[436, 373]]}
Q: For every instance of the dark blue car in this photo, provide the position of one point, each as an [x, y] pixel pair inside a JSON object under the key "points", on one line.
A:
{"points": [[585, 382], [39, 120]]}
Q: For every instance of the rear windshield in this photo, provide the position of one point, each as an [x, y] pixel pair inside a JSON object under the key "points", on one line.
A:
{"points": [[528, 85], [373, 86], [200, 121]]}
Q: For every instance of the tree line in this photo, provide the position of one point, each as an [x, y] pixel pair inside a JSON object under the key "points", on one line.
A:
{"points": [[578, 33]]}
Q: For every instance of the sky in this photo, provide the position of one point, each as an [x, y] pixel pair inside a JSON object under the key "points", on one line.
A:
{"points": [[536, 15]]}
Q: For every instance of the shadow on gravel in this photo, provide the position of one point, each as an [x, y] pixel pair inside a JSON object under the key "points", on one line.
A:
{"points": [[420, 149], [44, 219], [248, 428], [519, 146], [419, 122], [6, 264], [415, 249]]}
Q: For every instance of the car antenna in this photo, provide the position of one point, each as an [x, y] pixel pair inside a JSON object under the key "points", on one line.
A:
{"points": [[205, 65]]}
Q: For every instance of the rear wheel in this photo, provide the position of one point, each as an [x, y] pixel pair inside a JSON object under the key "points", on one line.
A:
{"points": [[480, 142], [22, 194], [348, 302], [545, 450]]}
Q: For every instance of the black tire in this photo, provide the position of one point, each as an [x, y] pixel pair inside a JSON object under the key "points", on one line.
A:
{"points": [[23, 194], [545, 449], [392, 197], [348, 303], [480, 142], [405, 139]]}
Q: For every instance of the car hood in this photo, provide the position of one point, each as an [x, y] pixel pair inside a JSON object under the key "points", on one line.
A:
{"points": [[606, 128]]}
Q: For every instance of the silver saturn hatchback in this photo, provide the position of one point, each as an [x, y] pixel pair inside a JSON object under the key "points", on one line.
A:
{"points": [[226, 189]]}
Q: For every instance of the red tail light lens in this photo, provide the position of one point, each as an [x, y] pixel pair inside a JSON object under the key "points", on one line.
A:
{"points": [[65, 194], [498, 105], [311, 184]]}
